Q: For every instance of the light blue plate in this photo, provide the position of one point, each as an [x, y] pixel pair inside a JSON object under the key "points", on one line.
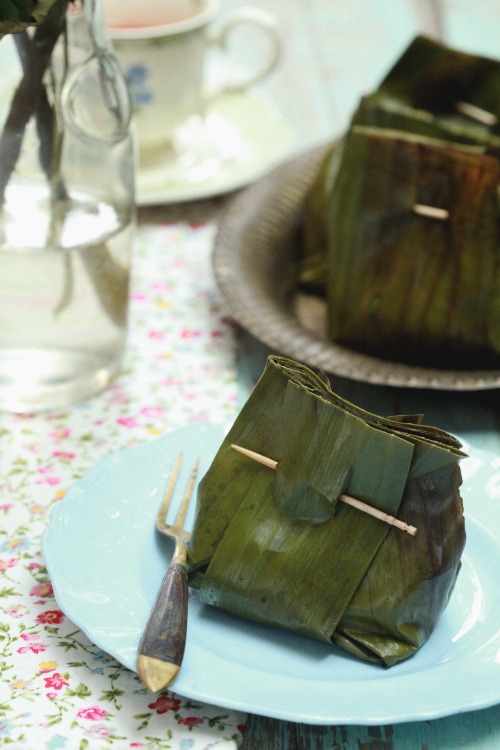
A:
{"points": [[106, 563]]}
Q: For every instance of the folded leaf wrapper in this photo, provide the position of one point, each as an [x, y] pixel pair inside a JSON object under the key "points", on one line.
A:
{"points": [[277, 547], [438, 92], [400, 285]]}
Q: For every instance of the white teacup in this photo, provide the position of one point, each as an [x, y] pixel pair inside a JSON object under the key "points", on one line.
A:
{"points": [[161, 46]]}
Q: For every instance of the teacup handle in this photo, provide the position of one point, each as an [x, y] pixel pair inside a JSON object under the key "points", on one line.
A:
{"points": [[266, 23]]}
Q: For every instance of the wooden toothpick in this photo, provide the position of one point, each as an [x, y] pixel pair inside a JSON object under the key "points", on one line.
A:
{"points": [[269, 462], [352, 501], [477, 113], [431, 212]]}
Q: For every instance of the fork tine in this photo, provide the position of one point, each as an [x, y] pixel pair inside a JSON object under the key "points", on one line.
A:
{"points": [[167, 497], [181, 513]]}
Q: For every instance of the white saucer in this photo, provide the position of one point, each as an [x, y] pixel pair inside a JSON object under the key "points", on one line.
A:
{"points": [[242, 137]]}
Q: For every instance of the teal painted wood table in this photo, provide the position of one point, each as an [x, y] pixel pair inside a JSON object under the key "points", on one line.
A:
{"points": [[478, 731]]}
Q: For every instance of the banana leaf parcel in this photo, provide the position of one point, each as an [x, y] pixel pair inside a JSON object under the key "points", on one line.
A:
{"points": [[404, 285], [278, 547], [438, 92], [399, 285]]}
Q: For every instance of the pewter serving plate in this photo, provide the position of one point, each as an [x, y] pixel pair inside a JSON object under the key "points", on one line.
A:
{"points": [[254, 260], [106, 564]]}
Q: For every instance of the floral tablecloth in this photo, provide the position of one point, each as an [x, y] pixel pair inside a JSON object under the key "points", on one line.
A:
{"points": [[57, 689]]}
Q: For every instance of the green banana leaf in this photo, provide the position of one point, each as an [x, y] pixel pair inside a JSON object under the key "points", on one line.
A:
{"points": [[381, 111], [313, 251], [421, 95], [399, 284], [434, 78], [425, 91], [279, 548], [18, 15]]}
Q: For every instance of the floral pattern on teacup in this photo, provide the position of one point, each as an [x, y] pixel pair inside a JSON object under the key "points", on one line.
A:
{"points": [[137, 77]]}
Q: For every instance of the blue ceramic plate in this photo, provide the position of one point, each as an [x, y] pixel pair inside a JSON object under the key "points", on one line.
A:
{"points": [[106, 564]]}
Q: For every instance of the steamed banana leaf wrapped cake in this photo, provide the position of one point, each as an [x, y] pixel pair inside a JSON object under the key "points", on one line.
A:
{"points": [[401, 224], [279, 544], [438, 92]]}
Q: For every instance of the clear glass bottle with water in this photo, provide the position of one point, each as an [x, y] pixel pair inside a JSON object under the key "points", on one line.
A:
{"points": [[66, 210]]}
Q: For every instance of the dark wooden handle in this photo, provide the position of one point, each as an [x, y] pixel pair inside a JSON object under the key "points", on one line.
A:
{"points": [[164, 637]]}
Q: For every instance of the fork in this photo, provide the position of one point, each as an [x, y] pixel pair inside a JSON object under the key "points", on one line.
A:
{"points": [[161, 648]]}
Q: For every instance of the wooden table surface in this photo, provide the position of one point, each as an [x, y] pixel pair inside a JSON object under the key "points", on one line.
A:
{"points": [[333, 53], [63, 689]]}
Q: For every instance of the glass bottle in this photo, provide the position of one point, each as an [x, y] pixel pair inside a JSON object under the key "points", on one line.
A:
{"points": [[66, 210]]}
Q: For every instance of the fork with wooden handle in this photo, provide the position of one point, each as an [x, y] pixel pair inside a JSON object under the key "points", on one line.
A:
{"points": [[162, 644]]}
